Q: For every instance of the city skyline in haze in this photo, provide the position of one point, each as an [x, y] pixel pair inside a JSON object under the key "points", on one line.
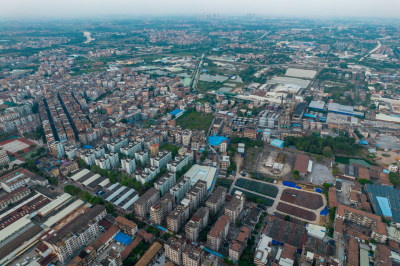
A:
{"points": [[26, 9]]}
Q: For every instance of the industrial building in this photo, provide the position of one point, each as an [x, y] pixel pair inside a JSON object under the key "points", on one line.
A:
{"points": [[205, 173]]}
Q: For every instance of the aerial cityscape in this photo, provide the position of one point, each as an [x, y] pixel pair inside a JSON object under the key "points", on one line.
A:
{"points": [[207, 139]]}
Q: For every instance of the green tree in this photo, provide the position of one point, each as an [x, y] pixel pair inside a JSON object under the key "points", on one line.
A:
{"points": [[327, 152], [364, 181], [166, 236], [72, 190], [228, 261], [110, 208], [296, 174]]}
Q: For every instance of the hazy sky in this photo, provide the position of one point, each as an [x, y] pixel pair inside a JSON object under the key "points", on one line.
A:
{"points": [[95, 8]]}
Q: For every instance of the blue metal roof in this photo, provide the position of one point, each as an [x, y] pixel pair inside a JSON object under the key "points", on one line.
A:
{"points": [[176, 111], [310, 115], [123, 238], [216, 140], [385, 201], [277, 143], [385, 206]]}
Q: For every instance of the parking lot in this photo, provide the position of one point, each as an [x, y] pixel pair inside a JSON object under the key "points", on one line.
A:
{"points": [[320, 174]]}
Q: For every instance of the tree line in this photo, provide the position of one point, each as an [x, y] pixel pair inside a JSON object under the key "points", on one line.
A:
{"points": [[318, 145]]}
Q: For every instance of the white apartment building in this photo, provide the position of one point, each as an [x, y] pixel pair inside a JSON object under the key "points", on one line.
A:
{"points": [[165, 182], [161, 159], [178, 163], [128, 165]]}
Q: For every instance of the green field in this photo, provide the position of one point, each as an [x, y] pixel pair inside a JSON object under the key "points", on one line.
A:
{"points": [[256, 198], [170, 147], [223, 182], [195, 120], [261, 188]]}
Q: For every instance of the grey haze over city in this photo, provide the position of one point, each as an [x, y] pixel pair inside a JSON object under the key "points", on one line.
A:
{"points": [[96, 8]]}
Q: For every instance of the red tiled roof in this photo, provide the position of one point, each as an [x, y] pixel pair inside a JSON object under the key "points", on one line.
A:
{"points": [[352, 252], [301, 163], [108, 234], [288, 252], [380, 226], [219, 226], [332, 197], [126, 222], [131, 246]]}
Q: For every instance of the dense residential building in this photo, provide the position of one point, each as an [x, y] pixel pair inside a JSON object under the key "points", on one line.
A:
{"points": [[142, 157], [70, 238], [131, 149], [178, 163], [20, 178], [160, 211], [235, 206], [154, 149], [143, 204], [197, 223], [178, 216], [68, 167], [192, 256], [116, 145], [161, 160], [263, 251], [127, 226], [13, 197], [352, 252], [180, 189], [237, 246], [173, 250], [361, 218], [165, 182], [383, 256], [89, 157], [4, 160], [128, 165], [216, 199], [57, 149], [218, 233], [147, 174], [197, 194]]}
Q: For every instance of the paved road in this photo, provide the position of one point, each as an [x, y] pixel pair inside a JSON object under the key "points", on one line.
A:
{"points": [[196, 74], [371, 52]]}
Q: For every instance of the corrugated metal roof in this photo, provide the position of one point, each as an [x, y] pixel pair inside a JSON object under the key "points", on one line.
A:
{"points": [[385, 206]]}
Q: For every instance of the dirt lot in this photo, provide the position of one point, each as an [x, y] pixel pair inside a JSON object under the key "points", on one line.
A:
{"points": [[298, 212], [344, 196], [387, 160], [256, 159], [301, 198]]}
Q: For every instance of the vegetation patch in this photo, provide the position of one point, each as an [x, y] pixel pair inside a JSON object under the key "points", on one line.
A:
{"points": [[256, 198], [223, 182], [261, 188], [170, 147], [316, 145], [195, 120]]}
